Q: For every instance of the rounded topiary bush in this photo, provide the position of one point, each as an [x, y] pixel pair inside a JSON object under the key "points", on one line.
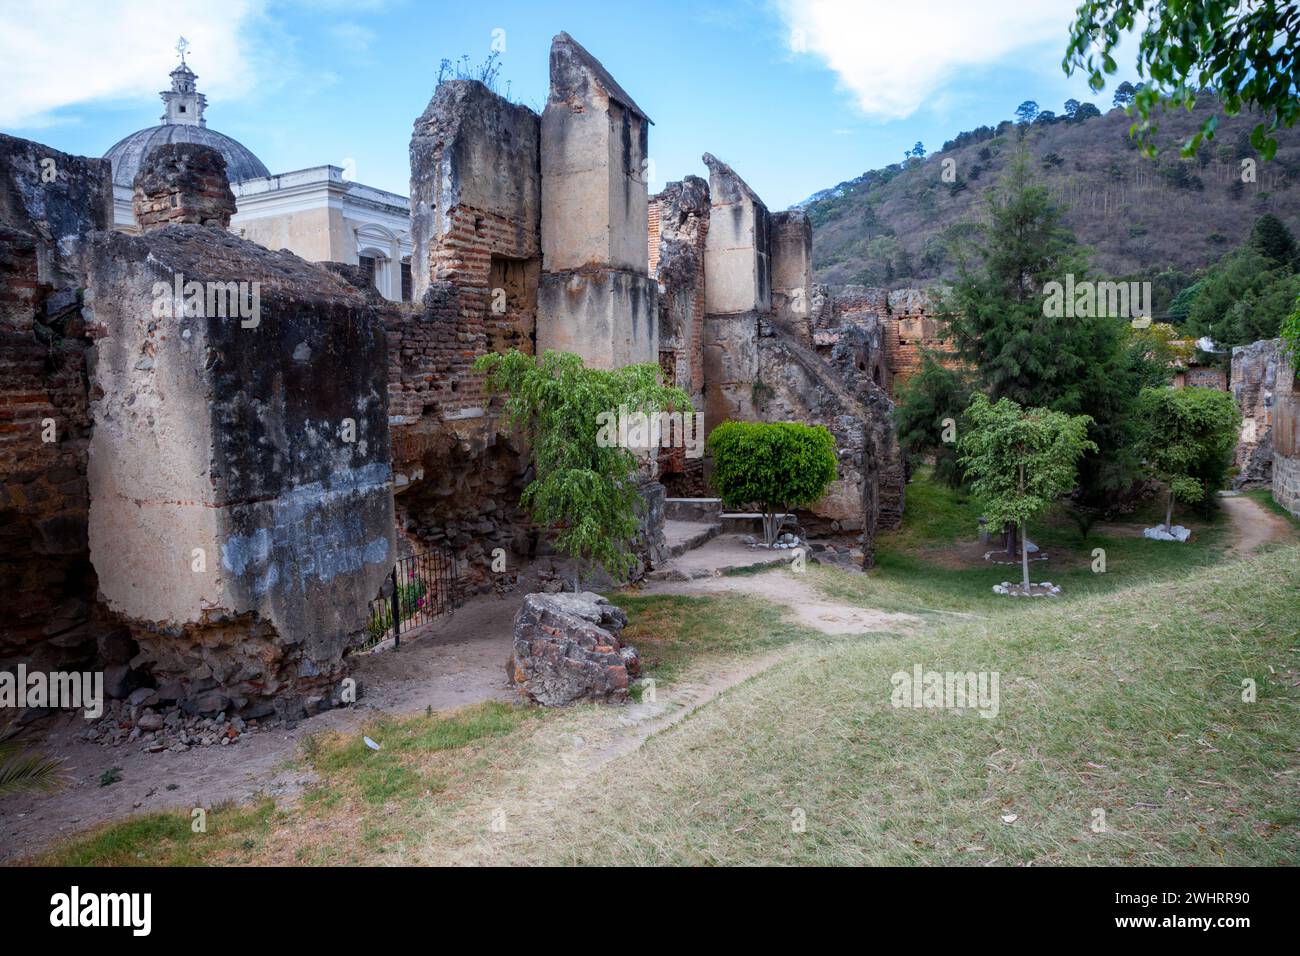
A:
{"points": [[777, 466]]}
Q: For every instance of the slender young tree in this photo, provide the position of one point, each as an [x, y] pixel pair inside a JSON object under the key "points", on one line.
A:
{"points": [[585, 485], [1187, 442], [1020, 460]]}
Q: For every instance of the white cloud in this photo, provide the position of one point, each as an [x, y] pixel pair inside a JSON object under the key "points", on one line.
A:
{"points": [[892, 56], [59, 53]]}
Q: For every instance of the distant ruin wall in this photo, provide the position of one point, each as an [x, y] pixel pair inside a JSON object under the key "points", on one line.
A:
{"points": [[1286, 438], [1254, 384]]}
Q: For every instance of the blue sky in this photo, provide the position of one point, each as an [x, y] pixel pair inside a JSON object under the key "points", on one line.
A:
{"points": [[796, 94]]}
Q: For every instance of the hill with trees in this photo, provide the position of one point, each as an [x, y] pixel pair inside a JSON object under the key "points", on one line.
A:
{"points": [[1165, 218]]}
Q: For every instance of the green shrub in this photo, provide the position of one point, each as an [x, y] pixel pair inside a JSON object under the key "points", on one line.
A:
{"points": [[776, 466]]}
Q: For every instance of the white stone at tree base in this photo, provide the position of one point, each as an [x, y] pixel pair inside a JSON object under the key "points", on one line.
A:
{"points": [[1013, 589], [1176, 533]]}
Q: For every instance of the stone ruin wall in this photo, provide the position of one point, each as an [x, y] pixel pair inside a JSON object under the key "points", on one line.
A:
{"points": [[678, 230], [191, 433], [1286, 437], [475, 274], [762, 362], [1254, 384], [48, 202], [216, 540], [1267, 391]]}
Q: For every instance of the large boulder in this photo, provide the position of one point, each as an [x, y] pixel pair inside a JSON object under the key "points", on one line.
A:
{"points": [[567, 648]]}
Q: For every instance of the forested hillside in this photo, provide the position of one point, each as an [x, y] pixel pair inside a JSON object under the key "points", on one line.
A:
{"points": [[902, 225]]}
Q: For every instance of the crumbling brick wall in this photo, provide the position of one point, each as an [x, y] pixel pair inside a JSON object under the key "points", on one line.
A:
{"points": [[909, 325], [476, 204], [49, 202], [183, 183]]}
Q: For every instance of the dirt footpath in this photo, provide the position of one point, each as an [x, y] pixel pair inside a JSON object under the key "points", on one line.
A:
{"points": [[1253, 524]]}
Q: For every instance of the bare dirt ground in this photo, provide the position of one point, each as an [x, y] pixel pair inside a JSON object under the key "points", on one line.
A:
{"points": [[445, 665]]}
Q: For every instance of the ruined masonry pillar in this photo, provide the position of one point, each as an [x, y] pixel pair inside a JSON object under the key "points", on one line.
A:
{"points": [[183, 183], [595, 298]]}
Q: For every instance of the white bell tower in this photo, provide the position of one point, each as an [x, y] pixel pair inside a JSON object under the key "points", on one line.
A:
{"points": [[184, 104]]}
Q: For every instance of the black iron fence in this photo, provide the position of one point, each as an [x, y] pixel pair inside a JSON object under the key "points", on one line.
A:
{"points": [[420, 589]]}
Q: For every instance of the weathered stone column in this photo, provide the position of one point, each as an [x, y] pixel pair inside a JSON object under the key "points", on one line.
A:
{"points": [[595, 298], [1254, 381], [737, 293], [1286, 437]]}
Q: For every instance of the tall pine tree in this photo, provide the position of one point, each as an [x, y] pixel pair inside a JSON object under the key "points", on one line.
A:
{"points": [[1068, 363]]}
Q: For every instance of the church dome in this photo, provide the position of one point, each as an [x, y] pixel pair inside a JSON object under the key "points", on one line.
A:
{"points": [[183, 122], [127, 155]]}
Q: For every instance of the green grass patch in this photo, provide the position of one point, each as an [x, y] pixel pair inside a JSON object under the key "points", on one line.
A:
{"points": [[169, 839], [933, 563], [670, 631], [1129, 703], [393, 771], [935, 514]]}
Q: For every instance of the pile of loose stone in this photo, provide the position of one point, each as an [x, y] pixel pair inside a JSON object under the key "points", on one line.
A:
{"points": [[172, 730]]}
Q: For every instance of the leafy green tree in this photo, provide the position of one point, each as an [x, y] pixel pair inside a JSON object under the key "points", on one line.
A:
{"points": [[1124, 94], [1020, 460], [23, 770], [776, 465], [933, 394], [1154, 351], [1243, 53], [1290, 333], [1073, 364], [1243, 298], [1086, 111], [1026, 112], [1071, 107], [1187, 440], [584, 485], [1181, 305]]}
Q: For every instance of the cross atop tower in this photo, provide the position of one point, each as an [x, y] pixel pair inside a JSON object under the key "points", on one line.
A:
{"points": [[182, 45]]}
